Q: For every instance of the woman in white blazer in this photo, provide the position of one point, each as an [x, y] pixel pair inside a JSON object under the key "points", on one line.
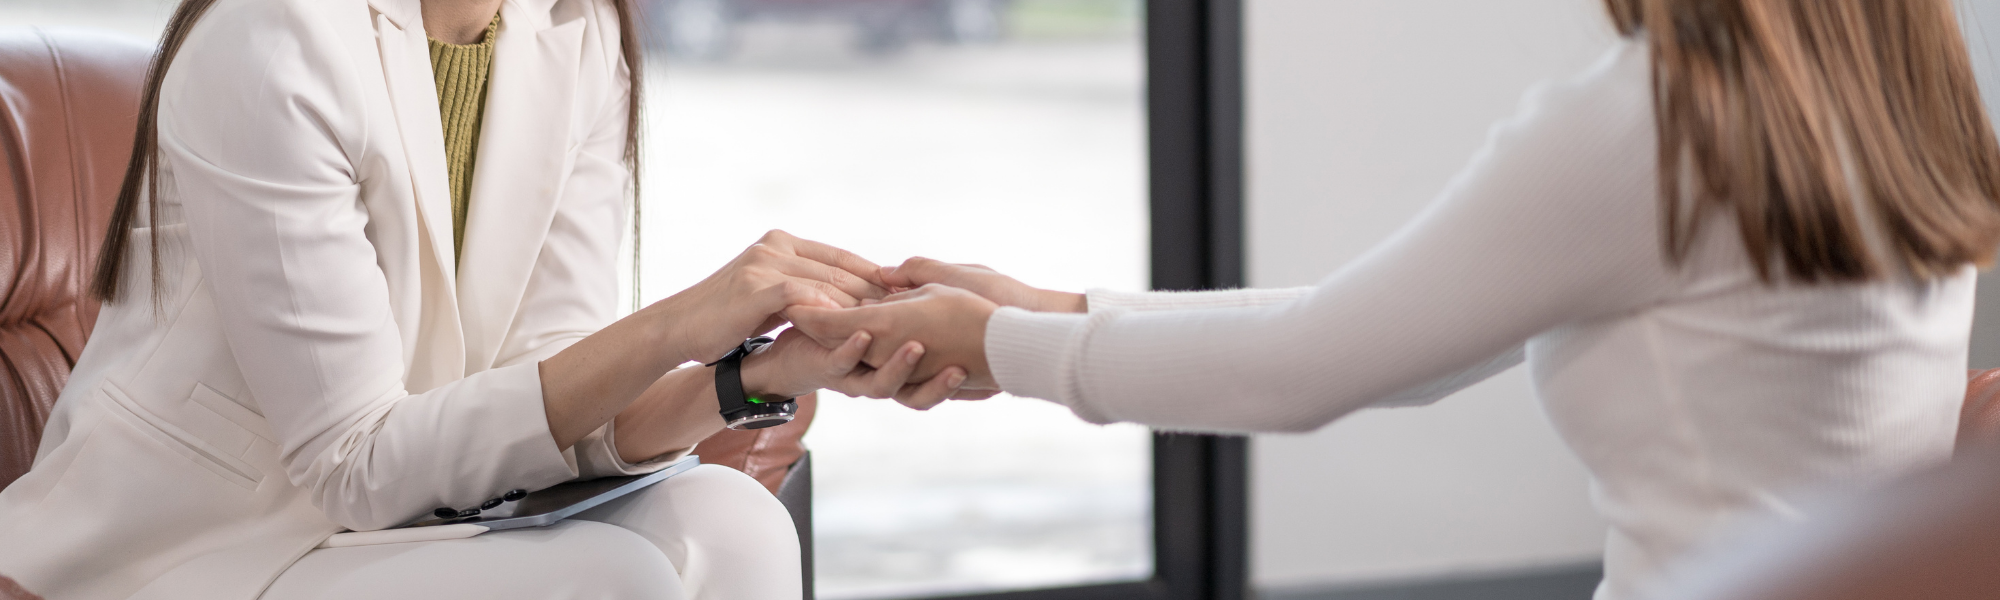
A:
{"points": [[292, 347]]}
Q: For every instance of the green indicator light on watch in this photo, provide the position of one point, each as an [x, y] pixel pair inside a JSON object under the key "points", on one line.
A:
{"points": [[754, 400]]}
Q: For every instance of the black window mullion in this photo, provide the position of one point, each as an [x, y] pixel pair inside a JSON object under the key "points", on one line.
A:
{"points": [[1194, 96]]}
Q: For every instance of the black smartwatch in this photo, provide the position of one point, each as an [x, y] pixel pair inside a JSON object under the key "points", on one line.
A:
{"points": [[740, 410]]}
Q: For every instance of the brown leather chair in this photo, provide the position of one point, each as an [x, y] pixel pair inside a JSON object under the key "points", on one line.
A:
{"points": [[68, 106], [68, 102]]}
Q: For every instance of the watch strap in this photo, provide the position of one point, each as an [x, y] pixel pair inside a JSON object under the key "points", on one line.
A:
{"points": [[730, 396]]}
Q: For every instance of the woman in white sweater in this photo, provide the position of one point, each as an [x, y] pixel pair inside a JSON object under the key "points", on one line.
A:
{"points": [[1787, 309]]}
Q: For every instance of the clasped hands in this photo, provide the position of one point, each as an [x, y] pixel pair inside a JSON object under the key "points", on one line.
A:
{"points": [[914, 332]]}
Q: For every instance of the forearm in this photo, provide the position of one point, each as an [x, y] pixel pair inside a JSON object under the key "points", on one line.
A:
{"points": [[675, 413], [600, 376], [1103, 299]]}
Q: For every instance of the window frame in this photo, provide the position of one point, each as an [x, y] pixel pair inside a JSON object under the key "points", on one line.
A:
{"points": [[1194, 96]]}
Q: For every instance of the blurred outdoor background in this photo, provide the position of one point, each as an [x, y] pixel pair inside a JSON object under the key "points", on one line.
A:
{"points": [[1010, 134], [1005, 132]]}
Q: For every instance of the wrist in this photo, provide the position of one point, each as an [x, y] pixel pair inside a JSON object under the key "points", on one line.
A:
{"points": [[761, 375], [1062, 302], [657, 328]]}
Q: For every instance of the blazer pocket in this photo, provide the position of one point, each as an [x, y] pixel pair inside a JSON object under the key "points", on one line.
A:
{"points": [[224, 464], [238, 420]]}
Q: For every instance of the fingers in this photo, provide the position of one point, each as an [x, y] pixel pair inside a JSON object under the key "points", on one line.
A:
{"points": [[846, 261], [927, 289], [827, 325], [844, 359], [916, 272], [778, 300], [843, 286], [974, 394], [887, 380], [934, 391]]}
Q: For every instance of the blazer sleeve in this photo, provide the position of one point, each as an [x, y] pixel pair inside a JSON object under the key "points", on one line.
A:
{"points": [[259, 127]]}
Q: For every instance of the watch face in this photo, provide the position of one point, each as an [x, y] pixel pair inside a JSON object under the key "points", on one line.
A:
{"points": [[759, 416], [760, 421]]}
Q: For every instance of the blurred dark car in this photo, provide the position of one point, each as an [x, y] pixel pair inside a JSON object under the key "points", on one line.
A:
{"points": [[706, 29]]}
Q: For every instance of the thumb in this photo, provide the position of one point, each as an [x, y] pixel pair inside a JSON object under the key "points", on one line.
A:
{"points": [[917, 271], [792, 293], [828, 326], [894, 278]]}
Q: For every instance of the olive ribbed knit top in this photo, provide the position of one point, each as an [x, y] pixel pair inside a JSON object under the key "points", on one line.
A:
{"points": [[461, 73]]}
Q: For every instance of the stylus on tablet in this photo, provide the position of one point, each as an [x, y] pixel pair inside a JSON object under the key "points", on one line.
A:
{"points": [[543, 508]]}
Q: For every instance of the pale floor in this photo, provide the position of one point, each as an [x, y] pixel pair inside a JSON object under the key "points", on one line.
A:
{"points": [[1028, 157]]}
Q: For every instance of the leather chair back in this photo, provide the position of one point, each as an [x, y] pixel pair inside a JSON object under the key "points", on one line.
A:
{"points": [[68, 107]]}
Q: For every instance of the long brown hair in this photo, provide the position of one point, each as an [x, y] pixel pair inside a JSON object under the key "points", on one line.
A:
{"points": [[1793, 114], [141, 182]]}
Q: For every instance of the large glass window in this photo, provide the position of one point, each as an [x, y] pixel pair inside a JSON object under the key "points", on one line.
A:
{"points": [[1007, 133]]}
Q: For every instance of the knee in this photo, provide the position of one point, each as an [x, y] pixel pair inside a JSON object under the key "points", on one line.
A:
{"points": [[731, 506], [735, 503], [596, 560]]}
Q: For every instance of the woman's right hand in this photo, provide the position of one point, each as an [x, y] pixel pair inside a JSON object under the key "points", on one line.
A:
{"points": [[795, 365], [744, 298], [979, 279]]}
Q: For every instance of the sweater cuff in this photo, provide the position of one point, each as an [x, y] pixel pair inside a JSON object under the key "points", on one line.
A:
{"points": [[597, 456], [1029, 352]]}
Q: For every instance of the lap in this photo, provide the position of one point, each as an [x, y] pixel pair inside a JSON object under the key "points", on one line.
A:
{"points": [[573, 559], [727, 534], [711, 533]]}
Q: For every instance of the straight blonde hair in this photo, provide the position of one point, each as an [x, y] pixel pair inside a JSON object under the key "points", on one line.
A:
{"points": [[1796, 115]]}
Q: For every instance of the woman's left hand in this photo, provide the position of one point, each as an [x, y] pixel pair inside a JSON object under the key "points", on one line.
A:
{"points": [[795, 365]]}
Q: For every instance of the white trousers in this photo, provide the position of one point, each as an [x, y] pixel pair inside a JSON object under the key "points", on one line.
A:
{"points": [[711, 533]]}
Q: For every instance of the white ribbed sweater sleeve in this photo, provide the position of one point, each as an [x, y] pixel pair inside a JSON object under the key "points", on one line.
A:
{"points": [[1104, 299], [1101, 300], [1554, 220]]}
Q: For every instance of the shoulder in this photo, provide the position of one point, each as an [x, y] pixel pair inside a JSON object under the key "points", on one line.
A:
{"points": [[604, 83], [242, 28], [271, 63], [1577, 142], [257, 44], [1608, 103], [270, 45], [603, 35]]}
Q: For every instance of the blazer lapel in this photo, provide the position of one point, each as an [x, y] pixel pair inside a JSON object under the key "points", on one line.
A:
{"points": [[412, 88], [523, 156], [406, 62]]}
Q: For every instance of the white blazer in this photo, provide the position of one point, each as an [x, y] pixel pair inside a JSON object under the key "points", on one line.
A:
{"points": [[315, 360]]}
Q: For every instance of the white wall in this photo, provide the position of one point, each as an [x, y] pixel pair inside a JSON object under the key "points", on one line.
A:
{"points": [[1358, 112], [1980, 20]]}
